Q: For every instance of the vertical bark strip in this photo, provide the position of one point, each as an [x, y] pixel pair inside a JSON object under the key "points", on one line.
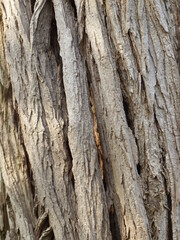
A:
{"points": [[89, 119]]}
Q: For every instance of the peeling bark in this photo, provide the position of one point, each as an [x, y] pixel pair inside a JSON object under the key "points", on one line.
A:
{"points": [[89, 119]]}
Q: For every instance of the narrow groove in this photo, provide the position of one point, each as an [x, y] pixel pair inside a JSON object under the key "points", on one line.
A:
{"points": [[6, 227], [43, 226], [170, 230], [138, 168], [16, 120], [96, 135], [127, 112], [126, 98], [54, 38], [114, 228], [73, 5], [70, 172], [32, 5], [169, 209]]}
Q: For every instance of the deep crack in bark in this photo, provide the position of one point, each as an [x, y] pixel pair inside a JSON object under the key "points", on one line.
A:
{"points": [[32, 5], [115, 231]]}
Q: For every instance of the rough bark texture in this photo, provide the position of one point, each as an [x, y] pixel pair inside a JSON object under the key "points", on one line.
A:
{"points": [[89, 119]]}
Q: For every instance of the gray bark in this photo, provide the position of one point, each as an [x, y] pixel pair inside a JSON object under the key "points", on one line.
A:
{"points": [[89, 119]]}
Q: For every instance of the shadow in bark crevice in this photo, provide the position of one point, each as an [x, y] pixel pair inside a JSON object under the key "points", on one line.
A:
{"points": [[138, 168], [70, 172], [127, 100], [13, 232], [128, 113], [170, 226], [3, 210], [32, 5], [73, 5], [114, 227], [168, 195], [6, 93], [43, 229], [54, 45]]}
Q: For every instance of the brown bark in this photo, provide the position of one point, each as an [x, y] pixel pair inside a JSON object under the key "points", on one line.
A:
{"points": [[89, 119]]}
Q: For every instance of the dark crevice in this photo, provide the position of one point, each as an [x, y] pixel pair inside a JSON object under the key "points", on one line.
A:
{"points": [[43, 229], [32, 5], [54, 39], [170, 230], [3, 209], [114, 228], [73, 5], [70, 158], [68, 149], [6, 93], [18, 233], [138, 168], [155, 119], [102, 6], [129, 234], [168, 194], [126, 97], [16, 120], [169, 207], [105, 20], [143, 91], [127, 111], [4, 10], [72, 180], [104, 183], [35, 211], [6, 226]]}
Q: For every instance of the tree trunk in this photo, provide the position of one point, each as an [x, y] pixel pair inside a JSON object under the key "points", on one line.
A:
{"points": [[89, 119]]}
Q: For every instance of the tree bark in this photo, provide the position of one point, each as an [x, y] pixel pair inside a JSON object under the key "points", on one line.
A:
{"points": [[89, 119]]}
